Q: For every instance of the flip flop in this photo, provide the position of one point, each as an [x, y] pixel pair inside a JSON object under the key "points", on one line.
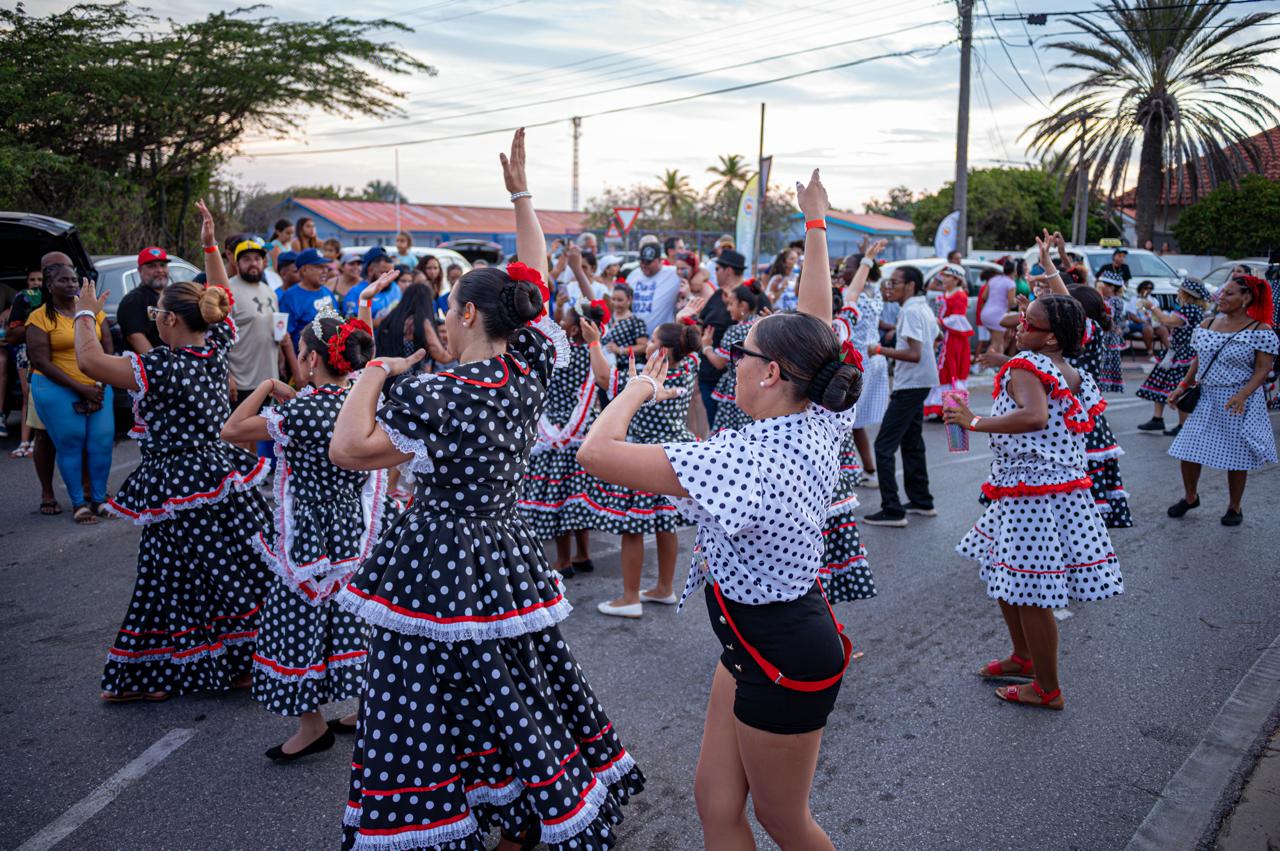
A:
{"points": [[84, 516], [50, 507]]}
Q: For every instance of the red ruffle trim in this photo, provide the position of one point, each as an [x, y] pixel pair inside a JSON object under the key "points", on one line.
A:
{"points": [[1071, 418], [1023, 489]]}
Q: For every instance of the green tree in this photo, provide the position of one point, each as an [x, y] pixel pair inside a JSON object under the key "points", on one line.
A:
{"points": [[117, 121], [382, 190], [1233, 221], [900, 204], [1007, 208], [1177, 81], [673, 196], [732, 172]]}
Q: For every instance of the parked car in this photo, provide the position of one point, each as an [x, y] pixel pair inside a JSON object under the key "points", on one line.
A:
{"points": [[1144, 265], [446, 256], [476, 249], [1219, 274]]}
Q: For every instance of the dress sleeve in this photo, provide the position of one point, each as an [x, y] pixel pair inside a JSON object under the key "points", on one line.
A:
{"points": [[221, 335], [277, 417], [543, 345], [417, 419], [1266, 341], [722, 477], [150, 372]]}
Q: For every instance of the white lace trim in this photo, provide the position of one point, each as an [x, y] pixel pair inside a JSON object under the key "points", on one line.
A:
{"points": [[496, 796], [275, 421], [139, 428], [234, 482], [422, 461], [844, 506], [379, 615], [414, 839], [554, 333], [551, 436], [1105, 454], [596, 795], [612, 774]]}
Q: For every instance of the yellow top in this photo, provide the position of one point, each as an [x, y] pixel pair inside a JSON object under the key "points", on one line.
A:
{"points": [[62, 341]]}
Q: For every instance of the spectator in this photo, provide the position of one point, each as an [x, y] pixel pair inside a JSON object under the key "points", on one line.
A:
{"points": [[348, 278], [281, 236], [7, 297], [287, 269], [914, 375], [1117, 265], [35, 441], [479, 263], [332, 250], [304, 301], [375, 263], [304, 235], [1138, 320], [723, 243], [75, 409], [955, 256], [255, 357], [656, 288], [452, 274], [1002, 294], [133, 315], [432, 274], [672, 247], [404, 251], [730, 267], [610, 266], [781, 283]]}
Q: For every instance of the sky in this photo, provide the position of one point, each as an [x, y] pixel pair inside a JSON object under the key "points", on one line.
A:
{"points": [[882, 123]]}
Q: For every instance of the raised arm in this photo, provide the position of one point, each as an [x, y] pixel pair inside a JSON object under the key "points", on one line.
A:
{"points": [[1052, 275], [574, 255], [531, 245], [814, 297], [1031, 413], [93, 359], [859, 282], [358, 442], [215, 272], [246, 423], [601, 369]]}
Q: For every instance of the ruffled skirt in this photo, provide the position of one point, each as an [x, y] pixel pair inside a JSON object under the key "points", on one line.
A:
{"points": [[845, 575], [1215, 438], [1161, 381], [1044, 550], [559, 496], [1102, 454]]}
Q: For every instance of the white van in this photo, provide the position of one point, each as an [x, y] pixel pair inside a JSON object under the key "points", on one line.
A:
{"points": [[1144, 266]]}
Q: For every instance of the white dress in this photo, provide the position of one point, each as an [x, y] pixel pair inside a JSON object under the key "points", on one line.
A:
{"points": [[1041, 541], [1212, 436], [861, 325]]}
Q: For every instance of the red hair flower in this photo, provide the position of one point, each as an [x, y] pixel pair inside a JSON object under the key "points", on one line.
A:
{"points": [[520, 272], [603, 304], [850, 355], [338, 344], [230, 298]]}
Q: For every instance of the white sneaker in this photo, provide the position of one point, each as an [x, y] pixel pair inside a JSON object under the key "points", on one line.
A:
{"points": [[633, 610], [669, 600], [869, 482]]}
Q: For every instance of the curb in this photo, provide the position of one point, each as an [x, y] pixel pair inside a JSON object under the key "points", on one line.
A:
{"points": [[1193, 804]]}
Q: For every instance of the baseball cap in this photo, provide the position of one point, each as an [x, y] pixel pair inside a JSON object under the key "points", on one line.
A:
{"points": [[952, 269], [310, 257], [726, 239], [284, 258], [1120, 250], [250, 245], [152, 255], [650, 252], [377, 252], [610, 260], [733, 259]]}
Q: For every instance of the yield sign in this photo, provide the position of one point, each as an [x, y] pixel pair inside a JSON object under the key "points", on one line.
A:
{"points": [[613, 232], [626, 217]]}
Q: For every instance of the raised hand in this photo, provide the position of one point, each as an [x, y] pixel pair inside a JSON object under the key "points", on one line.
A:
{"points": [[207, 236], [374, 287], [656, 369], [876, 247], [813, 198], [399, 366], [88, 298], [691, 308], [590, 331], [708, 336], [513, 165]]}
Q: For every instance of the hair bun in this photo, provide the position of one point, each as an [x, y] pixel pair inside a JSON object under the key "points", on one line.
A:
{"points": [[215, 304], [836, 386], [520, 303]]}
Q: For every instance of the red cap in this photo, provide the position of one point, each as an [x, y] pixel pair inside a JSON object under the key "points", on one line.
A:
{"points": [[151, 255]]}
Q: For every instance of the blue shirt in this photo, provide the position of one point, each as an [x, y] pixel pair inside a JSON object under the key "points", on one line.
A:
{"points": [[382, 304], [302, 305]]}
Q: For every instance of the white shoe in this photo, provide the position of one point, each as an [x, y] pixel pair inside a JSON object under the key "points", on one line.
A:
{"points": [[869, 482], [669, 600], [634, 610]]}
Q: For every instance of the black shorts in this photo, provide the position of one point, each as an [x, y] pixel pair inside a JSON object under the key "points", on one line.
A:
{"points": [[801, 640]]}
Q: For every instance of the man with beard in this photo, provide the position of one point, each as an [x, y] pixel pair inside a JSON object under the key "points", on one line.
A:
{"points": [[256, 355], [139, 330]]}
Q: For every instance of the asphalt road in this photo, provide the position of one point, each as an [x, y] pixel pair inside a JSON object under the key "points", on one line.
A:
{"points": [[918, 754]]}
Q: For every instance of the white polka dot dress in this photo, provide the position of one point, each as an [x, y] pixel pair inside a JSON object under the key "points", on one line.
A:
{"points": [[1101, 447], [640, 512], [728, 414], [1110, 375], [1164, 377], [193, 618], [474, 714], [860, 325], [558, 496], [1211, 435], [310, 651], [1042, 541]]}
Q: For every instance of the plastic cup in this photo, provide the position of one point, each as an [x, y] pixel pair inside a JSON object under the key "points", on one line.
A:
{"points": [[280, 325], [957, 435]]}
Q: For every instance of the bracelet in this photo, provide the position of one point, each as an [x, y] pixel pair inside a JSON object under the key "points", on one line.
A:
{"points": [[1054, 275], [973, 423], [594, 344], [88, 313], [653, 384], [524, 193], [211, 249], [868, 262], [380, 365], [815, 223]]}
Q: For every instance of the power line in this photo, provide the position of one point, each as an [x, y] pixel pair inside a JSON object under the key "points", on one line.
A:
{"points": [[986, 96], [1006, 16], [615, 110], [1013, 64]]}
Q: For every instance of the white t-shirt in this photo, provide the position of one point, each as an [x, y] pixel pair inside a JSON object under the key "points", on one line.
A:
{"points": [[916, 322], [655, 298]]}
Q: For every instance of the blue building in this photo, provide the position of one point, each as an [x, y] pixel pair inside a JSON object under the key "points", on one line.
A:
{"points": [[847, 231]]}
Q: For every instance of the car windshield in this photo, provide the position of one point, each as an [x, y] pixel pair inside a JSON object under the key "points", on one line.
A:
{"points": [[1140, 265]]}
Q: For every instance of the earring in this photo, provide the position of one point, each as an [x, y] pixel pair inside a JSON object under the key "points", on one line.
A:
{"points": [[761, 383]]}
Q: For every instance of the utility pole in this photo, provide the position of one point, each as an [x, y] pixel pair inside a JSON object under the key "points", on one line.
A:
{"points": [[397, 192], [761, 189], [962, 128], [1080, 221], [577, 134]]}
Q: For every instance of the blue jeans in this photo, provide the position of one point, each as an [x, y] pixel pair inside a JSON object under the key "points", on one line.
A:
{"points": [[708, 401], [76, 435]]}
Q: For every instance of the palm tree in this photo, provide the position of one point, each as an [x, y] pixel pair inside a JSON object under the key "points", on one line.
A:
{"points": [[1175, 73], [673, 194], [731, 173]]}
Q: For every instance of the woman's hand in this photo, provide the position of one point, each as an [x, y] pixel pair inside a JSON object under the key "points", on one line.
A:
{"points": [[374, 287], [959, 415], [992, 360], [691, 308], [513, 165], [708, 336], [1044, 244], [876, 247], [91, 393], [1023, 303], [1178, 393], [656, 368], [88, 299], [278, 390], [207, 236], [573, 256], [1235, 405], [813, 198], [589, 330], [399, 366]]}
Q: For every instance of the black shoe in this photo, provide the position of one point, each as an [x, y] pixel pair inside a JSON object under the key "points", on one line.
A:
{"points": [[1173, 432], [566, 573], [883, 518], [342, 729], [584, 566], [1181, 507], [913, 508], [323, 743], [1153, 424], [1232, 518]]}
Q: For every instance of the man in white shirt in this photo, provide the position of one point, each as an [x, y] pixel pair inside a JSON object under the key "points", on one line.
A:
{"points": [[256, 353], [914, 375], [656, 288]]}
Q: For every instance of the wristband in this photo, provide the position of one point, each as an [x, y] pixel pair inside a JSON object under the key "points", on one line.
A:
{"points": [[973, 423], [867, 261], [515, 196], [594, 344], [1054, 275], [88, 313], [815, 223], [211, 249], [380, 365]]}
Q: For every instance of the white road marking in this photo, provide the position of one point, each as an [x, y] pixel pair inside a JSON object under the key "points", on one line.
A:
{"points": [[90, 805]]}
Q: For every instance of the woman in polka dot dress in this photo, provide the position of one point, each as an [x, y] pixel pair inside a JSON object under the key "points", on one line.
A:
{"points": [[474, 714], [758, 496], [193, 619], [1041, 541], [311, 652], [1110, 375], [559, 500], [635, 512], [627, 334], [1164, 377], [744, 306]]}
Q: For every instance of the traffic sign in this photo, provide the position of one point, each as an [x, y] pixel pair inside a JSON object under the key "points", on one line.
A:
{"points": [[626, 217], [613, 232]]}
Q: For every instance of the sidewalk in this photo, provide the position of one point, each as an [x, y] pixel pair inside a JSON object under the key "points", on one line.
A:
{"points": [[1254, 824]]}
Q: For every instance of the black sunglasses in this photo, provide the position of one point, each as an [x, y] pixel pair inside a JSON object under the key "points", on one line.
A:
{"points": [[737, 352]]}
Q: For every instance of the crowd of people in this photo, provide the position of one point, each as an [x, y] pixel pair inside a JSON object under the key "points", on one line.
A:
{"points": [[349, 484]]}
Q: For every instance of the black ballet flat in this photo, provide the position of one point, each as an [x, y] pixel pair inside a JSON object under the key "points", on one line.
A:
{"points": [[566, 573], [584, 566], [1181, 507], [1232, 518], [323, 743], [342, 729]]}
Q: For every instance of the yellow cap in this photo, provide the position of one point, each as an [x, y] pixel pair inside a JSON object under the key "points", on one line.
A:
{"points": [[249, 245]]}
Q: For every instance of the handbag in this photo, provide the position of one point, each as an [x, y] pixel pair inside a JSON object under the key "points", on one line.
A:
{"points": [[1187, 401]]}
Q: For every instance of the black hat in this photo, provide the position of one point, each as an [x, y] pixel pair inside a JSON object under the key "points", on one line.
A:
{"points": [[732, 259], [649, 252]]}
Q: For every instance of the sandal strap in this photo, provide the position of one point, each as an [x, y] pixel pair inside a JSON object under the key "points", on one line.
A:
{"points": [[1046, 696], [1024, 664]]}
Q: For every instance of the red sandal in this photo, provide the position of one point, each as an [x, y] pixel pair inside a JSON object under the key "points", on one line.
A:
{"points": [[992, 668], [1009, 694]]}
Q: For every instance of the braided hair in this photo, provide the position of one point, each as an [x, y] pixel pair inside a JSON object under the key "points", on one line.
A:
{"points": [[1066, 318]]}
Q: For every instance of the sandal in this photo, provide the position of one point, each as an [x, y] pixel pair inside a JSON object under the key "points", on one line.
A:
{"points": [[84, 515], [50, 507], [24, 450], [992, 669], [100, 509], [1009, 694]]}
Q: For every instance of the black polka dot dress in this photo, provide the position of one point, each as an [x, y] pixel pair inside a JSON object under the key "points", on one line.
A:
{"points": [[1110, 375], [193, 620], [1101, 447], [845, 573], [639, 512], [624, 333], [1042, 541], [558, 496], [474, 714], [1164, 376], [310, 651], [728, 414]]}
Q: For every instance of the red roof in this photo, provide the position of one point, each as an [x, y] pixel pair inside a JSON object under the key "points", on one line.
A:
{"points": [[1267, 146], [380, 217], [872, 222]]}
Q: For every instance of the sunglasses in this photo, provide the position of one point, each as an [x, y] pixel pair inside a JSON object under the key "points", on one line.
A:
{"points": [[737, 352], [1025, 324], [153, 313]]}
